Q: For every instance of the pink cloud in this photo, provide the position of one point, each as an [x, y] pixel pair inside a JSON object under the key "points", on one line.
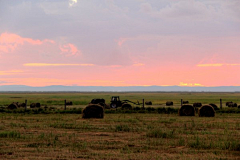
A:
{"points": [[69, 49], [121, 41], [54, 64], [9, 42]]}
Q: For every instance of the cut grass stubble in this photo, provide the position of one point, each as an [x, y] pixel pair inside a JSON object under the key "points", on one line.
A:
{"points": [[119, 136]]}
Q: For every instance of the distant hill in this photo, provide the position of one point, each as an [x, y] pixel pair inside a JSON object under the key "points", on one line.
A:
{"points": [[59, 88]]}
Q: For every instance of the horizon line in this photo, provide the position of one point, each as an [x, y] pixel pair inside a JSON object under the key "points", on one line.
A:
{"points": [[122, 86]]}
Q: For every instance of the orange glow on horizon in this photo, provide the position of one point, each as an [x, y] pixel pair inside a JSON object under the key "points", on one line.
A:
{"points": [[210, 65], [190, 84], [10, 72], [216, 65], [138, 64]]}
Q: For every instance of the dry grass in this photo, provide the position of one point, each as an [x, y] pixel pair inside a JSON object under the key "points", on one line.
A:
{"points": [[119, 136]]}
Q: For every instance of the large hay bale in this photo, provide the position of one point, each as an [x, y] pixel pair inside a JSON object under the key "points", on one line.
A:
{"points": [[126, 106], [13, 106], [215, 107], [186, 110], [169, 103], [148, 103], [206, 111], [93, 111]]}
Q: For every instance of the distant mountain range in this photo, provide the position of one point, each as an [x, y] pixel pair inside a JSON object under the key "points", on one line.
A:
{"points": [[59, 88]]}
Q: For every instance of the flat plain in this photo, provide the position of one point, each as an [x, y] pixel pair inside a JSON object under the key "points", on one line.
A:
{"points": [[157, 98], [119, 135]]}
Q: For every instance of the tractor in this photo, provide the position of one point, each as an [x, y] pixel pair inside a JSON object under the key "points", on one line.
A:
{"points": [[116, 102]]}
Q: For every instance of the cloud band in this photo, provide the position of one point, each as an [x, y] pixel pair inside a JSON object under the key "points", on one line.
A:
{"points": [[54, 64]]}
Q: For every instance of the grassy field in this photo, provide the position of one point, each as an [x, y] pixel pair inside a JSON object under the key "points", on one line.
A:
{"points": [[131, 135], [51, 99], [119, 136]]}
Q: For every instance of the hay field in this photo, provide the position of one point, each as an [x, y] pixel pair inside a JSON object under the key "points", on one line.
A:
{"points": [[82, 99], [118, 135]]}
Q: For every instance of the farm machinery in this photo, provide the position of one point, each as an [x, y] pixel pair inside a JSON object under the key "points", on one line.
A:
{"points": [[116, 102]]}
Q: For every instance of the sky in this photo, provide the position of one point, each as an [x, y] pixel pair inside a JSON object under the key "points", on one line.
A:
{"points": [[120, 42]]}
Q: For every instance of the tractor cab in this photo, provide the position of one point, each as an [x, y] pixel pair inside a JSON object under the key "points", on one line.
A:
{"points": [[115, 99], [115, 102]]}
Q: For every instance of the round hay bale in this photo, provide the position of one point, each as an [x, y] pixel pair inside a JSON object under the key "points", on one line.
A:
{"points": [[230, 104], [214, 106], [22, 105], [148, 103], [100, 102], [197, 104], [38, 105], [69, 103], [185, 102], [227, 103], [239, 107], [186, 110], [13, 106], [206, 111], [33, 105], [235, 105], [126, 106], [169, 103], [93, 111], [97, 101]]}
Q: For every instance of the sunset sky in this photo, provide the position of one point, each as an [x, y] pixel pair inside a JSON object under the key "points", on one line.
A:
{"points": [[120, 42]]}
